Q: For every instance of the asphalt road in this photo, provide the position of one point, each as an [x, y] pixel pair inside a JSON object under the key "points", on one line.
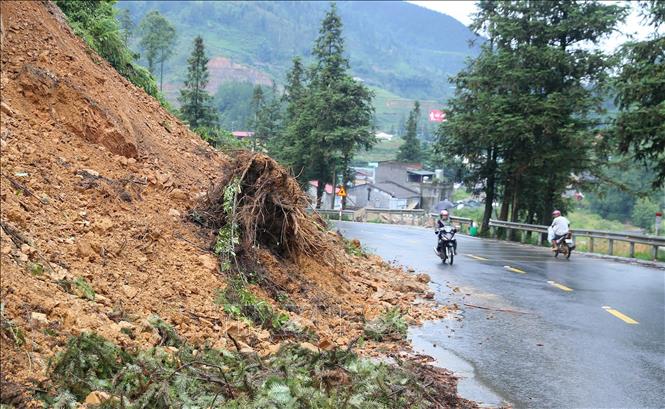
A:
{"points": [[578, 333]]}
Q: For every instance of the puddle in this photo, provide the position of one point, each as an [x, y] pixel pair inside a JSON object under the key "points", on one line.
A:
{"points": [[428, 340]]}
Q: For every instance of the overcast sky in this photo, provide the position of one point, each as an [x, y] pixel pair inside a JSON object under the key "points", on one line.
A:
{"points": [[462, 11]]}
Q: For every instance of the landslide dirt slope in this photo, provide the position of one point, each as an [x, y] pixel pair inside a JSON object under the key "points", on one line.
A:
{"points": [[96, 183]]}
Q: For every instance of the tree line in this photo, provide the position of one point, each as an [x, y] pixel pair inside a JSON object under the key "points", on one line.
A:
{"points": [[527, 115]]}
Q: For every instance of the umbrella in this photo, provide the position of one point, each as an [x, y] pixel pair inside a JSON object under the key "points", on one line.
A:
{"points": [[444, 204]]}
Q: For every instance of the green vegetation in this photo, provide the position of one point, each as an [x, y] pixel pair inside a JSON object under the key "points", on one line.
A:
{"points": [[354, 248], [204, 377], [239, 302], [84, 289], [196, 104], [383, 150], [400, 47], [9, 330], [390, 325], [328, 115], [96, 23], [411, 151], [228, 236], [640, 86], [157, 40], [525, 111], [220, 138]]}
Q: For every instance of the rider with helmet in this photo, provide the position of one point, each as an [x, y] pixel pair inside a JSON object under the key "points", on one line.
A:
{"points": [[444, 220], [560, 227]]}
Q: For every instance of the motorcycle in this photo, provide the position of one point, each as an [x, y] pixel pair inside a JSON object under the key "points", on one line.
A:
{"points": [[445, 248], [565, 246]]}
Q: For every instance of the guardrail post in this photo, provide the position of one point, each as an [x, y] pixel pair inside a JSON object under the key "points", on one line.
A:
{"points": [[540, 239], [654, 252], [610, 249], [590, 244], [632, 249]]}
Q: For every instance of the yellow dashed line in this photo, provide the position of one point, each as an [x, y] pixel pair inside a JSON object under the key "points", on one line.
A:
{"points": [[560, 286], [514, 270], [619, 315], [476, 257]]}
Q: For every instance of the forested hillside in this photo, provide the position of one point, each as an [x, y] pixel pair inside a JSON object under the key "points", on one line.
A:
{"points": [[395, 46]]}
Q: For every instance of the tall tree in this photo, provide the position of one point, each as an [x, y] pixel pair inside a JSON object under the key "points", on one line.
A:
{"points": [[196, 104], [126, 24], [256, 123], [157, 40], [530, 94], [640, 125], [330, 118], [411, 150]]}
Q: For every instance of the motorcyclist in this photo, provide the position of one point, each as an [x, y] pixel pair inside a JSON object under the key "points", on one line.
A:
{"points": [[560, 227], [444, 220]]}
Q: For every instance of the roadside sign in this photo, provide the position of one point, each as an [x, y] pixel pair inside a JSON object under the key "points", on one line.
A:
{"points": [[659, 218], [436, 115], [341, 192]]}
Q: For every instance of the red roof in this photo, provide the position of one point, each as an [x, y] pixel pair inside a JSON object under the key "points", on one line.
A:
{"points": [[328, 187], [242, 134]]}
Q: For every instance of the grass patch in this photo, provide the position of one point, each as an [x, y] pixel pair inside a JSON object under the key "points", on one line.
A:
{"points": [[390, 325], [353, 247], [239, 302], [9, 329]]}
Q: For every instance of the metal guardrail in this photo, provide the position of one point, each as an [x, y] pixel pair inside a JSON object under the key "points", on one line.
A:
{"points": [[654, 241], [417, 217]]}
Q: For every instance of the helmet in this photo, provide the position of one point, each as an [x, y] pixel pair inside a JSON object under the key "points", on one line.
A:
{"points": [[444, 213], [556, 213]]}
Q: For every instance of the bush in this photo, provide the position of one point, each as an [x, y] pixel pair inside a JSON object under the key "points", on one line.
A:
{"points": [[644, 213], [238, 301]]}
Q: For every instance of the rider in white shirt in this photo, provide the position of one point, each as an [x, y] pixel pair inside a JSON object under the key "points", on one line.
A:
{"points": [[560, 227]]}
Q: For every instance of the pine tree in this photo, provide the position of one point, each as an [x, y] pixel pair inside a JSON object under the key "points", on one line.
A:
{"points": [[522, 114], [196, 104], [411, 150], [337, 111], [640, 125]]}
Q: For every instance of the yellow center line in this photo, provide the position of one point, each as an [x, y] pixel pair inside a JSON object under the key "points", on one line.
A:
{"points": [[619, 315], [514, 270], [476, 257], [560, 286]]}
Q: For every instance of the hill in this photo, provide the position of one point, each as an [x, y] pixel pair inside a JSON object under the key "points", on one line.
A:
{"points": [[107, 227], [404, 49]]}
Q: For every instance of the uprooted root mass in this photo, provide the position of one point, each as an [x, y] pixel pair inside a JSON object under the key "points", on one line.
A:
{"points": [[270, 209]]}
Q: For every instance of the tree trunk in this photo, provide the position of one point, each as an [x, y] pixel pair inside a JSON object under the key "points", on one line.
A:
{"points": [[489, 191], [505, 206], [319, 194], [514, 212], [161, 76], [334, 186]]}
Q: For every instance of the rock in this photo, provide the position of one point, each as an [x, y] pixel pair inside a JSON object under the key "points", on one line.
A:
{"points": [[129, 291], [103, 225], [96, 398], [263, 335], [309, 347], [91, 172], [208, 262], [423, 278], [174, 213], [410, 270], [179, 194], [131, 161], [39, 317], [326, 345], [23, 257], [125, 324], [84, 249]]}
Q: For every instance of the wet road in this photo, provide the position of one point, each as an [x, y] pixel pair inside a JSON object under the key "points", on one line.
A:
{"points": [[582, 333]]}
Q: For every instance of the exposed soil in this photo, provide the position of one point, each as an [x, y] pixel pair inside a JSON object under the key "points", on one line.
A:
{"points": [[97, 184]]}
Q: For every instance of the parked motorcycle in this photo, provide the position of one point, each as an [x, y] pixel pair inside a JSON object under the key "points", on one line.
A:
{"points": [[565, 246], [445, 248]]}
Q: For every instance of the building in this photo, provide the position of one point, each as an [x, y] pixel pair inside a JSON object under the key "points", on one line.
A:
{"points": [[384, 136]]}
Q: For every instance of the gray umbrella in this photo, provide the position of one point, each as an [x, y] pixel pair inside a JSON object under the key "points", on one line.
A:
{"points": [[443, 205]]}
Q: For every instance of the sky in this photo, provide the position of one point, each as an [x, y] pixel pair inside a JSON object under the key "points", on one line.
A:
{"points": [[463, 10]]}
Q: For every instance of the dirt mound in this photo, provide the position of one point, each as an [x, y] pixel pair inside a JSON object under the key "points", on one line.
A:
{"points": [[97, 180]]}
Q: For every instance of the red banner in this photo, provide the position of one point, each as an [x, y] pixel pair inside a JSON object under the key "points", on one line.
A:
{"points": [[436, 115]]}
